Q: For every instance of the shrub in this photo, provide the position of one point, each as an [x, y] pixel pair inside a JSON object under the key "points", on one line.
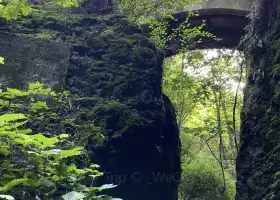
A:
{"points": [[34, 165], [202, 179]]}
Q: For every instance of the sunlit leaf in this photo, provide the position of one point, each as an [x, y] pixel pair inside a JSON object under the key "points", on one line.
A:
{"points": [[46, 142], [73, 152], [25, 10], [107, 186], [63, 136], [11, 117], [13, 184], [74, 196], [1, 60], [7, 197]]}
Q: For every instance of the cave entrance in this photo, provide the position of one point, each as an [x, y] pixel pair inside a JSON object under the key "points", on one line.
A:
{"points": [[206, 88]]}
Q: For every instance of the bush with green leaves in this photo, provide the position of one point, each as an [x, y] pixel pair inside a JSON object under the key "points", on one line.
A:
{"points": [[202, 179], [35, 165], [201, 173], [158, 14], [13, 9]]}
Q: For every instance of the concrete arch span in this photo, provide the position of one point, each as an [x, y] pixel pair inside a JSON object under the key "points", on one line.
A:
{"points": [[225, 23]]}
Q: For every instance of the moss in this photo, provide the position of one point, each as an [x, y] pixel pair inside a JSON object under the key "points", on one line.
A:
{"points": [[62, 16], [271, 134], [277, 176], [276, 70], [261, 119], [273, 117], [46, 34], [115, 75], [275, 30], [132, 28], [276, 185], [122, 42], [90, 133], [107, 33], [123, 21], [85, 63], [95, 42], [276, 47]]}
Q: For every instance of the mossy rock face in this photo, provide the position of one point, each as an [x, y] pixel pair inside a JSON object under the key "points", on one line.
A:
{"points": [[118, 110], [258, 163]]}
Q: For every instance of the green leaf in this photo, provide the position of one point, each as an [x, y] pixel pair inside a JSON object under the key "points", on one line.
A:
{"points": [[2, 60], [107, 186], [33, 152], [12, 92], [38, 105], [95, 166], [5, 149], [74, 196], [73, 152], [44, 141], [10, 117], [62, 168], [37, 88], [7, 197], [73, 169], [25, 10], [61, 136], [103, 187], [97, 175], [35, 85], [24, 131], [52, 152], [13, 183], [48, 186], [8, 133], [80, 187]]}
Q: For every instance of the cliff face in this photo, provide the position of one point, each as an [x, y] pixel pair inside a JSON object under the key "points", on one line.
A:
{"points": [[120, 66], [258, 163], [118, 110]]}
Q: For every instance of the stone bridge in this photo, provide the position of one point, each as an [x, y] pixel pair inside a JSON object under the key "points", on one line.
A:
{"points": [[226, 19], [227, 4]]}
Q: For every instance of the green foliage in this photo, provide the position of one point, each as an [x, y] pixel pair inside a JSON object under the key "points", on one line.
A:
{"points": [[139, 9], [193, 81], [159, 13], [7, 197], [13, 9], [203, 180], [1, 60], [38, 164], [182, 88]]}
